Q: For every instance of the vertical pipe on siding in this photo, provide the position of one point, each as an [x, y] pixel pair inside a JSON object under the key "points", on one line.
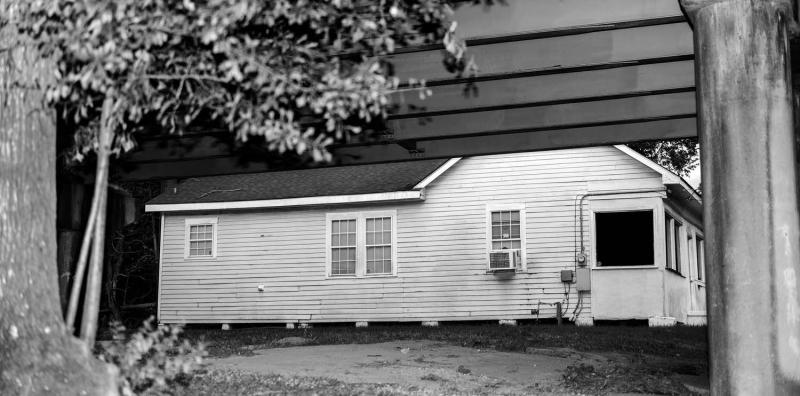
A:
{"points": [[160, 270]]}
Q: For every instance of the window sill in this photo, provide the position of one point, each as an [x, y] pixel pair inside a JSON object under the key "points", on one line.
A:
{"points": [[505, 271], [380, 276], [361, 276], [625, 267], [675, 272], [204, 258]]}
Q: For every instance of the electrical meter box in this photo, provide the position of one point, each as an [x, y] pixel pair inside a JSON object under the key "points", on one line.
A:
{"points": [[567, 276], [583, 279]]}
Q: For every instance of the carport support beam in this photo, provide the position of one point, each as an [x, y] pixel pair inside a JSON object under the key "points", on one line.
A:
{"points": [[750, 194]]}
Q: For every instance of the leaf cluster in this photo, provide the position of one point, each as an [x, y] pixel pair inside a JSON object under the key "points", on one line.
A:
{"points": [[300, 73], [678, 155], [153, 359]]}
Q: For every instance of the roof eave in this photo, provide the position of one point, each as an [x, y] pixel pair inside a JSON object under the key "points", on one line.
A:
{"points": [[435, 174], [667, 176], [385, 197]]}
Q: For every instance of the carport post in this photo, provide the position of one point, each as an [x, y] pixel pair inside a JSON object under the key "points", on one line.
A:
{"points": [[749, 193]]}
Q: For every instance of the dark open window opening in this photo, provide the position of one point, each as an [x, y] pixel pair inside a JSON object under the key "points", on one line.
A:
{"points": [[624, 238]]}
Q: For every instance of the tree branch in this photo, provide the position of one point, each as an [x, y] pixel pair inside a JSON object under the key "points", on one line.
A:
{"points": [[198, 77]]}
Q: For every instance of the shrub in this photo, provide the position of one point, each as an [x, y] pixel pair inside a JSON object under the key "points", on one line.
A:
{"points": [[153, 359]]}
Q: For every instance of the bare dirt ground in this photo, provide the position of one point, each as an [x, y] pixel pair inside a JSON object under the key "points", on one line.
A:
{"points": [[426, 366], [453, 359]]}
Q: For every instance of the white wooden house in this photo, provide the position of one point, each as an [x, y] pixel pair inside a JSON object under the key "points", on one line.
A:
{"points": [[602, 230]]}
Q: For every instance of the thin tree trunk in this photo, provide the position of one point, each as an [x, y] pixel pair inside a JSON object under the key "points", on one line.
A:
{"points": [[80, 267], [37, 354], [91, 303]]}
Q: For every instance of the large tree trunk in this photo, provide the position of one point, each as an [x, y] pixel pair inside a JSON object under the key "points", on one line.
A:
{"points": [[37, 355]]}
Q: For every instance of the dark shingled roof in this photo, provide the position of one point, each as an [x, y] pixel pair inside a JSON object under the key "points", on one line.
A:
{"points": [[342, 180]]}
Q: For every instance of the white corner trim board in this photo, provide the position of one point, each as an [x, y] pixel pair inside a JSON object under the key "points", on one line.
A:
{"points": [[438, 172], [415, 195]]}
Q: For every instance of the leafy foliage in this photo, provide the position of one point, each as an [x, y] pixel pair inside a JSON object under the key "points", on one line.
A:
{"points": [[680, 155], [229, 382], [153, 359], [300, 73]]}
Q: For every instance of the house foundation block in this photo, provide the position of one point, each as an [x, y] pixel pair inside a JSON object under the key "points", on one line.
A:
{"points": [[579, 321], [304, 326], [290, 326], [696, 319], [226, 326], [362, 324], [661, 321], [507, 322], [430, 324]]}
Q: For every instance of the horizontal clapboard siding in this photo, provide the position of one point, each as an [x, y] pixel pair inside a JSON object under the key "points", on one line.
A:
{"points": [[441, 250]]}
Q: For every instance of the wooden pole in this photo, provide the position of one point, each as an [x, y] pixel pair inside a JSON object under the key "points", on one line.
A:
{"points": [[559, 314], [750, 194], [91, 304]]}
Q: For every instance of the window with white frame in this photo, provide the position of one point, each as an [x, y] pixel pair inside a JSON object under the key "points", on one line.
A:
{"points": [[201, 237], [505, 231], [672, 232], [700, 252], [361, 244]]}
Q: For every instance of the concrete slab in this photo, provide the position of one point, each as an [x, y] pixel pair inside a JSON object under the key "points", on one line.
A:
{"points": [[428, 365]]}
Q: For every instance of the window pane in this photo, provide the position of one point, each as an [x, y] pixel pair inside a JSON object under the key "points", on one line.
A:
{"points": [[370, 238], [506, 230], [201, 240], [624, 238], [343, 261], [668, 241], [387, 237], [700, 258], [496, 232], [677, 238]]}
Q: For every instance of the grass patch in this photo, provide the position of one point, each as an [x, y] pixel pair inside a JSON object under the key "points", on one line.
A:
{"points": [[622, 378], [229, 382]]}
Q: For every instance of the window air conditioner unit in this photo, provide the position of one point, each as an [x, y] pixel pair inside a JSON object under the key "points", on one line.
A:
{"points": [[507, 259]]}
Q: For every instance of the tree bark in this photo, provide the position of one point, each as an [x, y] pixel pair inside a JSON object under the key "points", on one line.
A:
{"points": [[37, 355]]}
